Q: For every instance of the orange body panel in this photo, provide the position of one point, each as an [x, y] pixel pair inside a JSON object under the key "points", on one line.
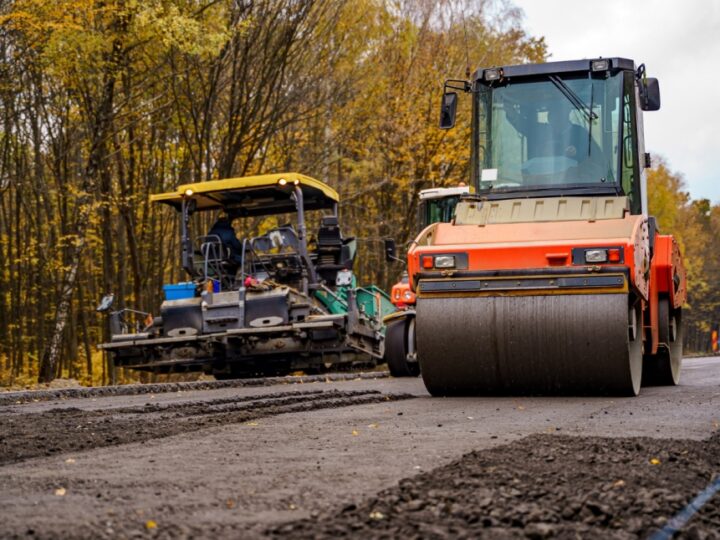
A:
{"points": [[540, 246], [399, 295], [668, 269], [513, 246]]}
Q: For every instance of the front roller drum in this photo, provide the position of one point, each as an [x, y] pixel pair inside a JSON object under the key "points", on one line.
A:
{"points": [[583, 344]]}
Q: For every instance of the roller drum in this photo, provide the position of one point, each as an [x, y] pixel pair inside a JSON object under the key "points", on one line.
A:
{"points": [[583, 344]]}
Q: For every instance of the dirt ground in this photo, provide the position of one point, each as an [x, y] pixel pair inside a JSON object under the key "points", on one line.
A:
{"points": [[25, 436], [538, 487], [357, 457]]}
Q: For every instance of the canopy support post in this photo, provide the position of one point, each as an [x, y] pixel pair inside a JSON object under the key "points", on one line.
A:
{"points": [[302, 242]]}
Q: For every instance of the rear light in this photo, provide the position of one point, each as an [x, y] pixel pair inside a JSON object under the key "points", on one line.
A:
{"points": [[614, 255], [596, 255], [427, 262], [445, 261]]}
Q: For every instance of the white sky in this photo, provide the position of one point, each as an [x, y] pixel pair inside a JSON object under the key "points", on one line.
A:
{"points": [[679, 42]]}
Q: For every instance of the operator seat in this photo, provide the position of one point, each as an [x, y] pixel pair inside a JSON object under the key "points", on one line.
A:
{"points": [[276, 254], [334, 253], [213, 260]]}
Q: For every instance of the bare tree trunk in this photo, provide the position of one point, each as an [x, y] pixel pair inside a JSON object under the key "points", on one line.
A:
{"points": [[48, 363]]}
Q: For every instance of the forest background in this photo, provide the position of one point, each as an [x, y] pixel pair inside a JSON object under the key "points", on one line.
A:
{"points": [[103, 103]]}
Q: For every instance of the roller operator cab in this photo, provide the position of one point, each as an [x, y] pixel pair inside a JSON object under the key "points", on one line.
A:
{"points": [[552, 278], [284, 300]]}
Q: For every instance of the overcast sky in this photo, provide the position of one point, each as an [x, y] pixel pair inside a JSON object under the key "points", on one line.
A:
{"points": [[679, 42]]}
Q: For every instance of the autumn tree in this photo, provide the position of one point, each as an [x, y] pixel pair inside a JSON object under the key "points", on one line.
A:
{"points": [[379, 143], [82, 50], [105, 103], [696, 226]]}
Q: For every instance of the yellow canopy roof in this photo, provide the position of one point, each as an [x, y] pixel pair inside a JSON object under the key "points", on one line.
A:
{"points": [[253, 195]]}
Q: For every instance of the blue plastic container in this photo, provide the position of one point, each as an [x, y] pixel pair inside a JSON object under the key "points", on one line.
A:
{"points": [[178, 291]]}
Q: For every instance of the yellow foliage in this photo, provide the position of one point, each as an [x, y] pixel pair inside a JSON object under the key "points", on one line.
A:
{"points": [[347, 92], [695, 226]]}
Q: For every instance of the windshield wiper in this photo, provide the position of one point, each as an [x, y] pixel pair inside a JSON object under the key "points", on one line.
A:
{"points": [[573, 98]]}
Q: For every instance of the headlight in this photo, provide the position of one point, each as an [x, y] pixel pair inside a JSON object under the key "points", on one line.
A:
{"points": [[600, 64], [596, 255], [492, 74], [407, 295], [445, 261]]}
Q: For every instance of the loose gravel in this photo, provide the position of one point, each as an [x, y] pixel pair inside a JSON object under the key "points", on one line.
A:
{"points": [[542, 486]]}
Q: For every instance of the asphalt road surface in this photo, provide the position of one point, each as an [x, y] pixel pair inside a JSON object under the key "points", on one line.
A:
{"points": [[364, 458]]}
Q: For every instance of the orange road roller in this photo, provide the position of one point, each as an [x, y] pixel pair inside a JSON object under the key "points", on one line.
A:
{"points": [[551, 278]]}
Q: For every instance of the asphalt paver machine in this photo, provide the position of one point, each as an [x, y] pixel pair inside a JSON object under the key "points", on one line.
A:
{"points": [[269, 304], [552, 278]]}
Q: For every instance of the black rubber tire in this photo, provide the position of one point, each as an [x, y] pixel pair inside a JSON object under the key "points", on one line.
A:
{"points": [[663, 368], [396, 349]]}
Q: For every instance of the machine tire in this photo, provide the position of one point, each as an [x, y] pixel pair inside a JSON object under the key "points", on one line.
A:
{"points": [[635, 352], [396, 349], [663, 368]]}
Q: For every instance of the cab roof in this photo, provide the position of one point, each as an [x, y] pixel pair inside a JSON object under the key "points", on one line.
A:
{"points": [[442, 192], [550, 68], [253, 195]]}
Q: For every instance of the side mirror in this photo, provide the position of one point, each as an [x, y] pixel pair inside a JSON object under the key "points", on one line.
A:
{"points": [[448, 109], [650, 95], [390, 250]]}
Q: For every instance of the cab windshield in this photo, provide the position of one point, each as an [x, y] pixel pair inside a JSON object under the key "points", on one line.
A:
{"points": [[549, 132]]}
